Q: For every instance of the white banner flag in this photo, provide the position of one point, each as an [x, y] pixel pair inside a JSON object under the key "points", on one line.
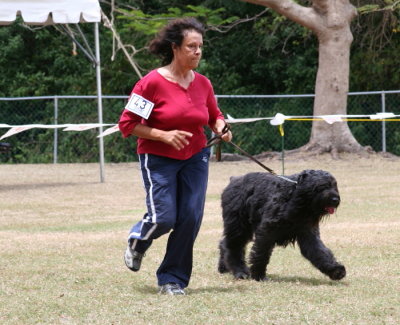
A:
{"points": [[110, 130], [80, 127], [330, 119], [15, 130]]}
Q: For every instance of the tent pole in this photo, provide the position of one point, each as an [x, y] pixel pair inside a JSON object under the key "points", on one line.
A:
{"points": [[99, 100]]}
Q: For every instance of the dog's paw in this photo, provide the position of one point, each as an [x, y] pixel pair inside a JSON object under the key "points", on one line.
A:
{"points": [[337, 273], [241, 275], [259, 277]]}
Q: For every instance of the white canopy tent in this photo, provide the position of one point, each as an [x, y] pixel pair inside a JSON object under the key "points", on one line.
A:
{"points": [[44, 12]]}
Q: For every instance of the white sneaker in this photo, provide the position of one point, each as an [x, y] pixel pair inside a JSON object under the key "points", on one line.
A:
{"points": [[133, 259], [172, 289]]}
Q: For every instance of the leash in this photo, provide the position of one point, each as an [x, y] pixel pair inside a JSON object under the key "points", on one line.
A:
{"points": [[218, 138]]}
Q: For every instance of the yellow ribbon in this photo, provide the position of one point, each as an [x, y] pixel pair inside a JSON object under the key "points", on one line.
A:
{"points": [[281, 131]]}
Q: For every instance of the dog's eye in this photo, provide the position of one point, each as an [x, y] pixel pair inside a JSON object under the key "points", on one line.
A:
{"points": [[322, 187]]}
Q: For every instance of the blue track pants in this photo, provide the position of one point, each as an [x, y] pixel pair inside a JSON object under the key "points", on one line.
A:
{"points": [[175, 196]]}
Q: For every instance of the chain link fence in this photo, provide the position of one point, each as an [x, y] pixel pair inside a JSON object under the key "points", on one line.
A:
{"points": [[40, 145]]}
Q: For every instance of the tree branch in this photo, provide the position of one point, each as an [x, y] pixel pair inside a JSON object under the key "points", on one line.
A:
{"points": [[227, 28], [304, 16]]}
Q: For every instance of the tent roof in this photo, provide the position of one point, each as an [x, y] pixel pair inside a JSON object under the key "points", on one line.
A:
{"points": [[41, 12]]}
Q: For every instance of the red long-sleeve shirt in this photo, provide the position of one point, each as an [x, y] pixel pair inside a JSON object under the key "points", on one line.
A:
{"points": [[175, 108]]}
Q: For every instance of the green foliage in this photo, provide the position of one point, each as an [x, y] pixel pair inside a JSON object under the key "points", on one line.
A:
{"points": [[269, 55], [368, 8], [374, 64], [150, 24], [39, 62], [387, 5], [142, 23], [210, 16]]}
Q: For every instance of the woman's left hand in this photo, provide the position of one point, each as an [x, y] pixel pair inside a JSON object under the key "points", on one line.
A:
{"points": [[218, 129]]}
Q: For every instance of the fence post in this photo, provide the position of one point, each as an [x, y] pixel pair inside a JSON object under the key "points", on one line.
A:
{"points": [[99, 100], [383, 103], [55, 149]]}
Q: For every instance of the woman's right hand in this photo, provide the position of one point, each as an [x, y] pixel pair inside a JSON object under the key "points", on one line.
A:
{"points": [[176, 138]]}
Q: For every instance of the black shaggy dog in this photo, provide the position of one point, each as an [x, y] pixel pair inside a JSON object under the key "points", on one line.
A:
{"points": [[275, 211]]}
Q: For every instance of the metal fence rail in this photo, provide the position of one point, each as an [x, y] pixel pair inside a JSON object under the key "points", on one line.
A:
{"points": [[53, 145]]}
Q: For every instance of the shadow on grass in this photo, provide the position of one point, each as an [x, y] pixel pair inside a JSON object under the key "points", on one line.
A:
{"points": [[243, 285], [147, 289], [306, 281], [221, 289]]}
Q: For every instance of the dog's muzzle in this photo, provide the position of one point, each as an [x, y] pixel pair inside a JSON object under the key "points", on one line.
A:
{"points": [[332, 205]]}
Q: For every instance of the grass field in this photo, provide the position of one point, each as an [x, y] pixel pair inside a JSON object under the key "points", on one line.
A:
{"points": [[63, 234]]}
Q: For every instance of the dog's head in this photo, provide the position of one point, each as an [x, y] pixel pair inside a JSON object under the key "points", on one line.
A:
{"points": [[321, 189]]}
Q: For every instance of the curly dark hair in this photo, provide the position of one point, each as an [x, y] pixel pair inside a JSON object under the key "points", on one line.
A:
{"points": [[173, 32]]}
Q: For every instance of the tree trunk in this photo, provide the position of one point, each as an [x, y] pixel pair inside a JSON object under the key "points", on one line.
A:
{"points": [[332, 83], [330, 21]]}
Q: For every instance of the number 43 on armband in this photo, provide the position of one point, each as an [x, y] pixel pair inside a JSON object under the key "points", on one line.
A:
{"points": [[139, 105]]}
